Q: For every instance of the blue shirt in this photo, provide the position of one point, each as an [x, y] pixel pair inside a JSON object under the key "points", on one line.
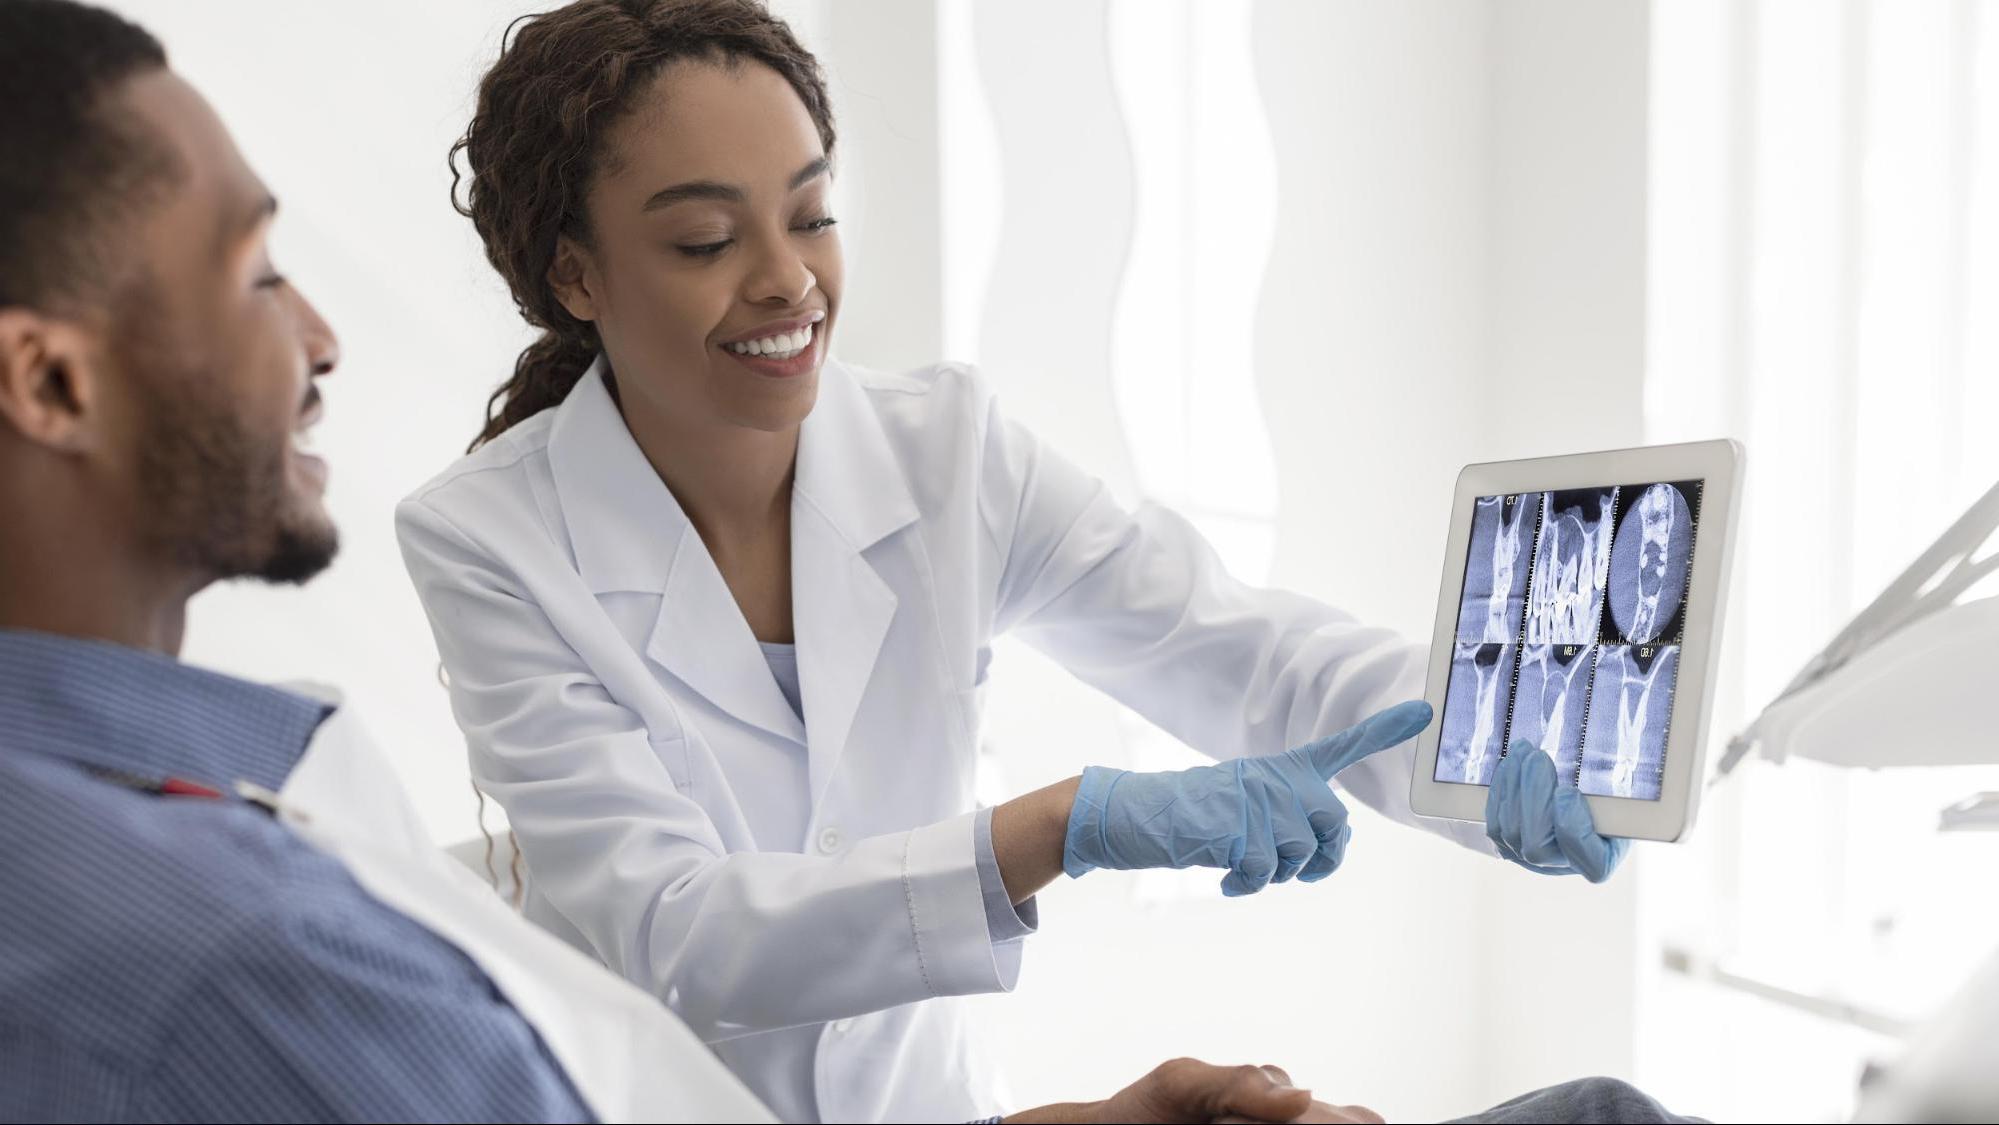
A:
{"points": [[180, 959]]}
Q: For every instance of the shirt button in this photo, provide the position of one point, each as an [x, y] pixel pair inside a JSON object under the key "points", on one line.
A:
{"points": [[829, 840], [843, 1026]]}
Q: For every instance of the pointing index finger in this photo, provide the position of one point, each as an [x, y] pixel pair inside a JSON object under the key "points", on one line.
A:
{"points": [[1384, 731]]}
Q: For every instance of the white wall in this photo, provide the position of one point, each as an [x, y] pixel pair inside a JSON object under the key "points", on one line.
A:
{"points": [[1459, 234], [1458, 226], [1370, 310], [1564, 964]]}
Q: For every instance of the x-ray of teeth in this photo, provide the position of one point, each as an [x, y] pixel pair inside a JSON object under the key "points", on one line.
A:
{"points": [[1474, 726], [1495, 591], [1625, 748], [1648, 562], [1565, 601], [1549, 702]]}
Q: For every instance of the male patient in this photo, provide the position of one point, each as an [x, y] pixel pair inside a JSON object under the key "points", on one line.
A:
{"points": [[168, 950]]}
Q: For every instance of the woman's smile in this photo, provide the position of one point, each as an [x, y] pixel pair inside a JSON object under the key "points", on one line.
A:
{"points": [[784, 349]]}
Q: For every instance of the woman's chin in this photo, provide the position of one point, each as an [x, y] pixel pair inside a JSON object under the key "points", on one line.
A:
{"points": [[771, 405]]}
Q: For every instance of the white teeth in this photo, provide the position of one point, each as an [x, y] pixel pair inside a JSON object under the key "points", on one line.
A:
{"points": [[784, 345]]}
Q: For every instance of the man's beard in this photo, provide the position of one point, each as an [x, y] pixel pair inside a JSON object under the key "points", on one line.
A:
{"points": [[218, 497]]}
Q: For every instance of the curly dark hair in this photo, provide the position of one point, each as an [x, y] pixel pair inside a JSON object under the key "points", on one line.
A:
{"points": [[538, 137]]}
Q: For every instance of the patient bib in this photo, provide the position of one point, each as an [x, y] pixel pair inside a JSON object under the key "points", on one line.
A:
{"points": [[625, 1052]]}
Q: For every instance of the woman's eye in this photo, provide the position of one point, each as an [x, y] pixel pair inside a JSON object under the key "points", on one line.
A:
{"points": [[816, 225], [270, 281], [705, 249]]}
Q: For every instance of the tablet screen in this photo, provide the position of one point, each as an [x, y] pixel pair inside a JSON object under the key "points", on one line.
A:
{"points": [[1568, 635]]}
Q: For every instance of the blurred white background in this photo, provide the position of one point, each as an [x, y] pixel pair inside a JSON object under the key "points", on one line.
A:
{"points": [[1287, 265]]}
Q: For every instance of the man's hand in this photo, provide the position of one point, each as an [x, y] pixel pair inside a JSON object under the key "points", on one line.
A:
{"points": [[1189, 1090]]}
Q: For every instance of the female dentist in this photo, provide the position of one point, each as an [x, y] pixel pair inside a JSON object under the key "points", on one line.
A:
{"points": [[717, 610]]}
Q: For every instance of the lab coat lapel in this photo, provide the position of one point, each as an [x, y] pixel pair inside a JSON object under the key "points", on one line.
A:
{"points": [[704, 641], [628, 534], [841, 610], [849, 495]]}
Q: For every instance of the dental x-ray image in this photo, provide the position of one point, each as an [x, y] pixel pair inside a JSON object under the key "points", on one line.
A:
{"points": [[1571, 563], [1624, 750], [1551, 700], [1495, 591], [1650, 558], [1475, 704], [1568, 634]]}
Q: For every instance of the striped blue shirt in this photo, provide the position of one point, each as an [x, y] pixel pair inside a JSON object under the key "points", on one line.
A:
{"points": [[179, 959]]}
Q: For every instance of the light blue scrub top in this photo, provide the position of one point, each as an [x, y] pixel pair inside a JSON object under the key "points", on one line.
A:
{"points": [[783, 661]]}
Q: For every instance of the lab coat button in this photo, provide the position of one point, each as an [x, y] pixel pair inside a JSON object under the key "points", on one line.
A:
{"points": [[843, 1026], [829, 840]]}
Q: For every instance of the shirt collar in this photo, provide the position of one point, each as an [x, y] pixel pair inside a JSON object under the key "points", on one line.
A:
{"points": [[625, 525], [120, 708]]}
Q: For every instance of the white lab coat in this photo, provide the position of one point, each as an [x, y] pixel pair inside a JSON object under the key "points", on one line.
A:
{"points": [[805, 894]]}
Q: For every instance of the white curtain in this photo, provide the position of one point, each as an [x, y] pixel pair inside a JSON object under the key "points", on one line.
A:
{"points": [[1824, 285]]}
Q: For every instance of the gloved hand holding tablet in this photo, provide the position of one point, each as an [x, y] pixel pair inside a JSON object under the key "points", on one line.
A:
{"points": [[1578, 619]]}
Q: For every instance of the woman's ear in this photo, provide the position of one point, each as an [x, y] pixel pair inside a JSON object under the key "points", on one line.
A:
{"points": [[48, 382], [569, 275]]}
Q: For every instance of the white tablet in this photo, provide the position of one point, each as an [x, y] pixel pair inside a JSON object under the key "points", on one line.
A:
{"points": [[1580, 609]]}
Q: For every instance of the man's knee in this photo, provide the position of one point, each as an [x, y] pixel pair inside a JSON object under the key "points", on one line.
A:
{"points": [[1611, 1099]]}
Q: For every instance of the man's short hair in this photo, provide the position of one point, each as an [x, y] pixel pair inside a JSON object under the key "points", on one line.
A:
{"points": [[74, 171]]}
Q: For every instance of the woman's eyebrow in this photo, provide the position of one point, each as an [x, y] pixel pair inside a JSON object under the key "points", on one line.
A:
{"points": [[726, 193], [694, 189], [810, 172]]}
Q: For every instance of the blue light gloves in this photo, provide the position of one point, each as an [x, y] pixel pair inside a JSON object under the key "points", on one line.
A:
{"points": [[1543, 825], [1265, 819], [1269, 819]]}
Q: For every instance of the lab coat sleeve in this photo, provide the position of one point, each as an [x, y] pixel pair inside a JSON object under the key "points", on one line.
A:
{"points": [[1139, 606], [734, 943]]}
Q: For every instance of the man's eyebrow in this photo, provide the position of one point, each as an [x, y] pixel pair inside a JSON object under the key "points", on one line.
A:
{"points": [[232, 234]]}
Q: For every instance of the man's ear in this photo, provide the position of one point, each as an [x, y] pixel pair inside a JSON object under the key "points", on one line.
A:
{"points": [[569, 276], [49, 381]]}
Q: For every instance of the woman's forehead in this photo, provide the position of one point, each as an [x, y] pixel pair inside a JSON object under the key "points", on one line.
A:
{"points": [[740, 124]]}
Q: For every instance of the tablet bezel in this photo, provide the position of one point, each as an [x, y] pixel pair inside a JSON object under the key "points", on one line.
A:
{"points": [[1718, 465]]}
